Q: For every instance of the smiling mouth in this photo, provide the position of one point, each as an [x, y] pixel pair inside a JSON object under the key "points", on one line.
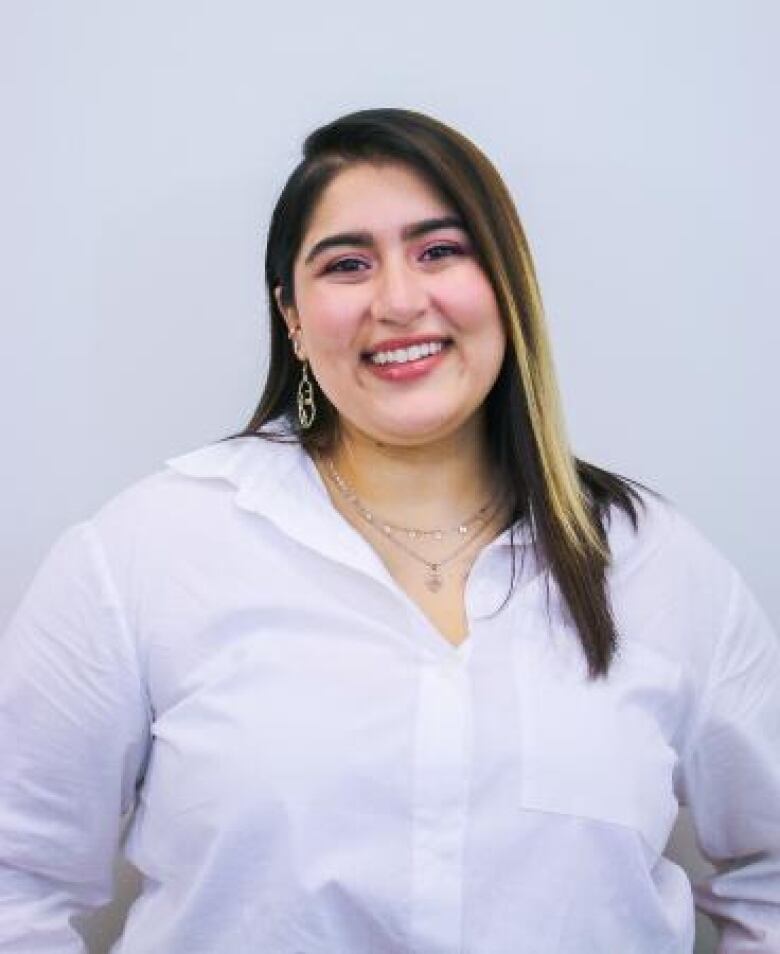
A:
{"points": [[399, 356]]}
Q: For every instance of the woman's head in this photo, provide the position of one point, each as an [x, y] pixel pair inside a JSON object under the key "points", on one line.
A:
{"points": [[521, 408], [396, 154]]}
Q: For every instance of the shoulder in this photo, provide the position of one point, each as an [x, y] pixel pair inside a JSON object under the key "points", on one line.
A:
{"points": [[197, 500], [671, 587], [205, 476], [666, 543]]}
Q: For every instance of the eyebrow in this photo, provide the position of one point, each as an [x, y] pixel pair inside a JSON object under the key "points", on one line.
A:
{"points": [[365, 239]]}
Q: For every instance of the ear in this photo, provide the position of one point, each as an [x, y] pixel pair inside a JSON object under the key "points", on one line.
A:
{"points": [[288, 312], [290, 316]]}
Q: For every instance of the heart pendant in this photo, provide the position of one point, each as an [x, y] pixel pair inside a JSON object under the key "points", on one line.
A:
{"points": [[433, 580]]}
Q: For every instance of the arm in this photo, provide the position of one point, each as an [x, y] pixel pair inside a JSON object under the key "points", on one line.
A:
{"points": [[74, 729], [731, 780]]}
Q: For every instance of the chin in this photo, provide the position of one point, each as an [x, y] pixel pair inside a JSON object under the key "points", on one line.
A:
{"points": [[413, 433]]}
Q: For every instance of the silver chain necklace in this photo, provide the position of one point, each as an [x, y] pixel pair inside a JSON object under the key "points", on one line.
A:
{"points": [[433, 578]]}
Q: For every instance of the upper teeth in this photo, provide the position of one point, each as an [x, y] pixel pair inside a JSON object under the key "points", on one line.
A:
{"points": [[400, 355]]}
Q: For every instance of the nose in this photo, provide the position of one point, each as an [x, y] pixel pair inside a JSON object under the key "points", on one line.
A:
{"points": [[400, 296]]}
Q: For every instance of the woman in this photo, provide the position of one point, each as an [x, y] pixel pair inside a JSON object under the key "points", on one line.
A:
{"points": [[391, 670]]}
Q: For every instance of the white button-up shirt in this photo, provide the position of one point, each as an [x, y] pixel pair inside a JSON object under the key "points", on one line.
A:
{"points": [[312, 768]]}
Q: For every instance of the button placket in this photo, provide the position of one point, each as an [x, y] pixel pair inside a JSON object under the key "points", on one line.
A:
{"points": [[441, 787]]}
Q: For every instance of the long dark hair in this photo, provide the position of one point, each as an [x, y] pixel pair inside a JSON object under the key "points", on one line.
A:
{"points": [[565, 500]]}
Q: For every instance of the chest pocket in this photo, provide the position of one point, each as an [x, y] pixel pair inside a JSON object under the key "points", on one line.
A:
{"points": [[600, 749]]}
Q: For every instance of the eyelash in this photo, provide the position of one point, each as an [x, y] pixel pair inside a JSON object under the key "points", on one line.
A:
{"points": [[454, 249]]}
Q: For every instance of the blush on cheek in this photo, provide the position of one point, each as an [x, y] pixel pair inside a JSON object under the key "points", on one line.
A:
{"points": [[329, 327], [469, 307]]}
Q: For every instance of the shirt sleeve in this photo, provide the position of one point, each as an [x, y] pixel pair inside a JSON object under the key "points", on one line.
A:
{"points": [[74, 730], [731, 779]]}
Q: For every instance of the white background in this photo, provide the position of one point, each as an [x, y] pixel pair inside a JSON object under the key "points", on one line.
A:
{"points": [[143, 147]]}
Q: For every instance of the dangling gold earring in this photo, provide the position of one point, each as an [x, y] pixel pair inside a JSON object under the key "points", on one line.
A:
{"points": [[307, 409]]}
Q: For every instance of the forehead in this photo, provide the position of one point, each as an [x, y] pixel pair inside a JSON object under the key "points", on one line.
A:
{"points": [[376, 197]]}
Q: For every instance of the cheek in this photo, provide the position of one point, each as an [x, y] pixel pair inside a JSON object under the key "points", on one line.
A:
{"points": [[475, 315], [471, 304], [329, 321]]}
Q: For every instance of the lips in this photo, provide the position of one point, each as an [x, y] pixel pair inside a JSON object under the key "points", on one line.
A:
{"points": [[408, 370], [397, 344]]}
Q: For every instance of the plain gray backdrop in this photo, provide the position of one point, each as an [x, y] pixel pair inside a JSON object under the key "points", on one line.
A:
{"points": [[144, 145]]}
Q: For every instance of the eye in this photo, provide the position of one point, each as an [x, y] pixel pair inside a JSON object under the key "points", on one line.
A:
{"points": [[442, 251], [344, 265]]}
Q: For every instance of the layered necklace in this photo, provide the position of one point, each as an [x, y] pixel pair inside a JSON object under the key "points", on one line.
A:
{"points": [[466, 531]]}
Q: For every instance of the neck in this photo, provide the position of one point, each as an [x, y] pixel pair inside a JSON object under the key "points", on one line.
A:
{"points": [[425, 485]]}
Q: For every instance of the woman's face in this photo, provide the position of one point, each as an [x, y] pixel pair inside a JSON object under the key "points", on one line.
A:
{"points": [[397, 318]]}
